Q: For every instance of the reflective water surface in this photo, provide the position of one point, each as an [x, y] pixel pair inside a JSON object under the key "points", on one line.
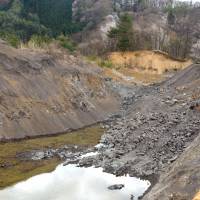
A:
{"points": [[73, 183]]}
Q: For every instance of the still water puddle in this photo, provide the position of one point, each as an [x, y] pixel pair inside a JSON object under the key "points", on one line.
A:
{"points": [[74, 183]]}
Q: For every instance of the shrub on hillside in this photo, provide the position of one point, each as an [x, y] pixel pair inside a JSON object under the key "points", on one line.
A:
{"points": [[38, 41], [105, 63], [66, 43], [11, 38]]}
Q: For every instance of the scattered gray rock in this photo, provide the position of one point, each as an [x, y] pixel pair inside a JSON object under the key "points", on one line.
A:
{"points": [[38, 155], [116, 187]]}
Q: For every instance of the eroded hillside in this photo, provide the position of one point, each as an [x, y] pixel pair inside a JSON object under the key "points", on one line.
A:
{"points": [[46, 93]]}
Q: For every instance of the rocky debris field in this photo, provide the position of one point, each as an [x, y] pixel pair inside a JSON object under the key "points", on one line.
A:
{"points": [[66, 152], [69, 154], [145, 142], [153, 131]]}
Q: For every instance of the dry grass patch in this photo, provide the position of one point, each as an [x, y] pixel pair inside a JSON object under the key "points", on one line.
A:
{"points": [[147, 61]]}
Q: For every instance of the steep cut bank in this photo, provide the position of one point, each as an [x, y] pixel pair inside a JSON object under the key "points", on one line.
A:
{"points": [[45, 93], [146, 66], [153, 62]]}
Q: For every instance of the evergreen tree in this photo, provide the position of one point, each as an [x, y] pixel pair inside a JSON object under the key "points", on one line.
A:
{"points": [[14, 25], [25, 18], [52, 14], [123, 34], [171, 17]]}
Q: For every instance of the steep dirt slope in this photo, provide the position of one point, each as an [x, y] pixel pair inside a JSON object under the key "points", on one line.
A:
{"points": [[44, 93], [182, 180], [187, 77]]}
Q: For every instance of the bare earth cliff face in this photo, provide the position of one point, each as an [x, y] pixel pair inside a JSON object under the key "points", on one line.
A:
{"points": [[44, 93]]}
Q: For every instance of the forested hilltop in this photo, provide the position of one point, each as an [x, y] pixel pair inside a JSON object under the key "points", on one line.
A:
{"points": [[169, 26], [21, 19]]}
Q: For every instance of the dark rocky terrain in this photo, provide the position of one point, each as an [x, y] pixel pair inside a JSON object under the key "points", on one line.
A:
{"points": [[157, 135]]}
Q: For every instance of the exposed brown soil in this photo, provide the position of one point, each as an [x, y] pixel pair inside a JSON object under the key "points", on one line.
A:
{"points": [[45, 93]]}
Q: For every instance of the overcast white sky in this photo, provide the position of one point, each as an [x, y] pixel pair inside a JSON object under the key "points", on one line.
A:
{"points": [[190, 0]]}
